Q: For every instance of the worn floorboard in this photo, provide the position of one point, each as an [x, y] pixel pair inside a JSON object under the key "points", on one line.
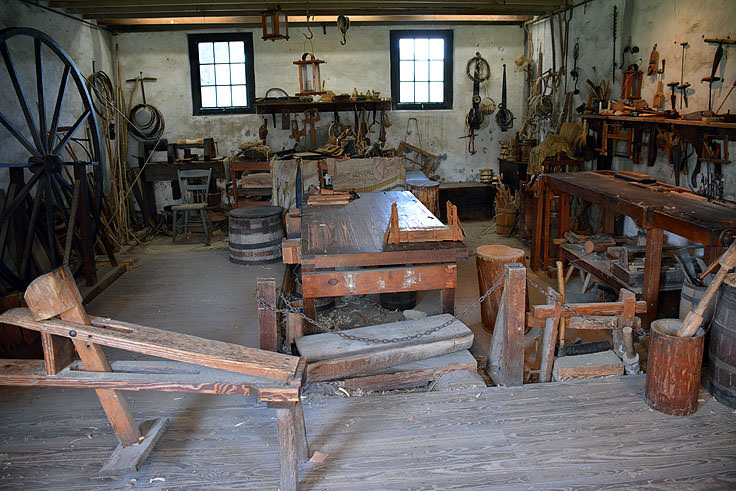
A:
{"points": [[568, 435]]}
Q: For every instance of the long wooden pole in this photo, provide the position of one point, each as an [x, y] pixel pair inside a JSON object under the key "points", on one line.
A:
{"points": [[561, 287]]}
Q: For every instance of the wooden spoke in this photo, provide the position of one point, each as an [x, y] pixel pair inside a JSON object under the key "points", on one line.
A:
{"points": [[31, 232], [18, 136], [10, 66], [65, 139], [19, 198], [50, 236], [40, 93], [58, 106]]}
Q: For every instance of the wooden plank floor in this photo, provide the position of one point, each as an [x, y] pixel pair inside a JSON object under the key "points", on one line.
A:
{"points": [[570, 435]]}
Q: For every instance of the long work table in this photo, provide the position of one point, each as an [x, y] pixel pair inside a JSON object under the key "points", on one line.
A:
{"points": [[343, 251], [653, 207]]}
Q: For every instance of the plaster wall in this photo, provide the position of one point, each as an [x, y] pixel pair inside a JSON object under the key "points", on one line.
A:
{"points": [[363, 63], [83, 43], [666, 23]]}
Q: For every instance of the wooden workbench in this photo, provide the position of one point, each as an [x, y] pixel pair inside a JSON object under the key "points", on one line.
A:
{"points": [[343, 251], [655, 211]]}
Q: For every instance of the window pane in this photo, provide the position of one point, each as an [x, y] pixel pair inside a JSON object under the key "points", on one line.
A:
{"points": [[237, 51], [221, 53], [207, 74], [421, 70], [436, 92], [406, 91], [208, 97], [205, 53], [421, 92], [421, 49], [406, 49], [237, 73], [406, 71], [222, 74], [239, 95], [223, 96], [436, 70], [437, 49]]}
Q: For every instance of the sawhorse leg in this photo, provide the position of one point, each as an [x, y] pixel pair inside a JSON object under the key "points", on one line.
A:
{"points": [[652, 269], [293, 445]]}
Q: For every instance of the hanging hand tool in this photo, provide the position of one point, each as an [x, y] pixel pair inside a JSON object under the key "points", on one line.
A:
{"points": [[658, 101], [653, 62], [673, 95], [714, 69], [615, 23], [504, 117], [683, 86], [478, 71], [726, 98], [574, 72], [632, 49]]}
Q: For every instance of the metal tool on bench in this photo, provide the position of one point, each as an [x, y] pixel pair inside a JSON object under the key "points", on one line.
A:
{"points": [[683, 86]]}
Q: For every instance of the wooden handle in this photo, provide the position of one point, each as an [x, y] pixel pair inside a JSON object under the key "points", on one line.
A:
{"points": [[695, 317], [561, 286]]}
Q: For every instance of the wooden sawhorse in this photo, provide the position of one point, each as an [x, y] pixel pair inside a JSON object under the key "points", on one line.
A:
{"points": [[220, 368]]}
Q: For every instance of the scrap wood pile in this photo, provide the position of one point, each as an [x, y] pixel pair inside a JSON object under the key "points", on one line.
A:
{"points": [[345, 359]]}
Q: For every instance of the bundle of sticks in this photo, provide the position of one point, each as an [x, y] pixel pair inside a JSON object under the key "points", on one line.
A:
{"points": [[505, 198]]}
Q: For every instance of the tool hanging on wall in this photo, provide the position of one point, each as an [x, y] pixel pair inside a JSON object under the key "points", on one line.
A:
{"points": [[574, 73], [614, 25], [658, 101], [343, 24], [504, 117], [652, 67], [631, 83], [718, 56], [682, 87], [478, 71], [628, 49]]}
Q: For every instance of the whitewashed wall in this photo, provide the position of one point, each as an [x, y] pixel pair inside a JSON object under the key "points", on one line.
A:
{"points": [[666, 23], [363, 64]]}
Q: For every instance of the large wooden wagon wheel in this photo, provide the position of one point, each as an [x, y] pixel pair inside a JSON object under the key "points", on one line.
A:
{"points": [[54, 174]]}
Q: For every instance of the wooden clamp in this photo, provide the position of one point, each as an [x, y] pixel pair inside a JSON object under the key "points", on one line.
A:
{"points": [[453, 231]]}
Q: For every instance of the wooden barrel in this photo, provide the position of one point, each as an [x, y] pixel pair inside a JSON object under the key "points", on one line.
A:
{"points": [[255, 234], [673, 369], [428, 192], [722, 347], [490, 260], [690, 295], [505, 218], [486, 176]]}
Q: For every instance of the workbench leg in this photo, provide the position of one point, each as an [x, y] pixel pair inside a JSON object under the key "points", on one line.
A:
{"points": [[652, 269], [300, 432], [609, 221], [548, 197], [711, 253], [447, 300], [268, 335], [537, 232], [310, 310], [287, 449], [564, 220], [514, 316]]}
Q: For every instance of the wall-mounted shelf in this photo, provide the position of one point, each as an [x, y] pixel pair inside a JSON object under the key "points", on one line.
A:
{"points": [[268, 107]]}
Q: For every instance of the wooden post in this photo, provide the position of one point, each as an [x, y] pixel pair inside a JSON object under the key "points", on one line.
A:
{"points": [[447, 300], [548, 197], [268, 334], [549, 340], [538, 224], [652, 268], [56, 293], [428, 192], [624, 319], [609, 221], [294, 327], [564, 219], [512, 364], [287, 449], [561, 286]]}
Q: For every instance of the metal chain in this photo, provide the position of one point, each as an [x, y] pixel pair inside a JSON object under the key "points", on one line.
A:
{"points": [[293, 310]]}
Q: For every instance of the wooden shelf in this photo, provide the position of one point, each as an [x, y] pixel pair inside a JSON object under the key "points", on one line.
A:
{"points": [[296, 107], [662, 121]]}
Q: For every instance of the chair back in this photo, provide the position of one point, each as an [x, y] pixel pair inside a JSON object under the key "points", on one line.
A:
{"points": [[194, 184]]}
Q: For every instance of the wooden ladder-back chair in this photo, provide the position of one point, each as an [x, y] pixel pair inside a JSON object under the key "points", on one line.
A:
{"points": [[195, 185]]}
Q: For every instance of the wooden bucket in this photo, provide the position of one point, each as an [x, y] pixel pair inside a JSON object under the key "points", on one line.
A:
{"points": [[255, 234], [673, 369], [690, 295], [428, 192], [490, 261], [722, 348], [486, 176], [505, 218]]}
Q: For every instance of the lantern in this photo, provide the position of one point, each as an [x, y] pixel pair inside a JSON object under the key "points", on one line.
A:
{"points": [[275, 25], [309, 79]]}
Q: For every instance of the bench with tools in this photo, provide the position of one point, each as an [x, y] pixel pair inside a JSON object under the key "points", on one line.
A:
{"points": [[193, 364]]}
